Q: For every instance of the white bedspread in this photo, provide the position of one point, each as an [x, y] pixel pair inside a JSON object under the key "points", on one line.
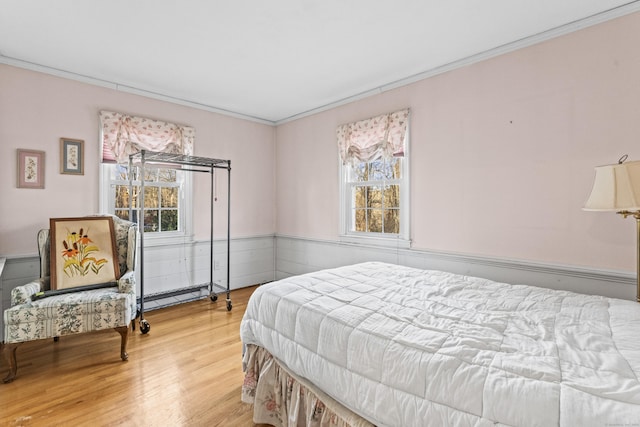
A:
{"points": [[408, 347]]}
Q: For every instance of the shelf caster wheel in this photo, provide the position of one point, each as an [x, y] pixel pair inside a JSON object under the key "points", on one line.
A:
{"points": [[229, 306], [213, 297], [145, 327]]}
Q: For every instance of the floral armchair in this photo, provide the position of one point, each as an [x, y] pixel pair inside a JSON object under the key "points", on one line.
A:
{"points": [[76, 312]]}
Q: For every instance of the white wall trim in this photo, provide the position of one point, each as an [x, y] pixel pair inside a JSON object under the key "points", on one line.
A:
{"points": [[263, 258], [554, 269], [126, 88], [298, 255], [175, 266]]}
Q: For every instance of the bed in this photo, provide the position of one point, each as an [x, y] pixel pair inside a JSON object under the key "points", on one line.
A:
{"points": [[389, 345]]}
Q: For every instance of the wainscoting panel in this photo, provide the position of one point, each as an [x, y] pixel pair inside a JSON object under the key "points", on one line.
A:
{"points": [[299, 255], [170, 269]]}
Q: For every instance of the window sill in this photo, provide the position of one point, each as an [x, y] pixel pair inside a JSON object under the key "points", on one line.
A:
{"points": [[387, 242]]}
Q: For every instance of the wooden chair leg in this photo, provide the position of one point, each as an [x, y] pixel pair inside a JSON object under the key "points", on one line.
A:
{"points": [[10, 356], [124, 333]]}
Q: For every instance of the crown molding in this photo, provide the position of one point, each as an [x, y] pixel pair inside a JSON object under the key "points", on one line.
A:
{"points": [[571, 27]]}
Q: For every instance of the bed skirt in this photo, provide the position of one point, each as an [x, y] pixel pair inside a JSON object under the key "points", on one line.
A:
{"points": [[282, 399]]}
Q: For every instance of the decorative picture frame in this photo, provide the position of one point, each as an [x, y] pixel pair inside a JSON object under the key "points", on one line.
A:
{"points": [[30, 168], [71, 156], [82, 252]]}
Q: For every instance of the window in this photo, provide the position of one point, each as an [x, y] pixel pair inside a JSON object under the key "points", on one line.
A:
{"points": [[167, 190], [167, 196], [375, 196], [162, 193], [374, 184]]}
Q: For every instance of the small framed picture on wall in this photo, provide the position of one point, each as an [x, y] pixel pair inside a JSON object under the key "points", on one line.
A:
{"points": [[71, 156], [30, 169]]}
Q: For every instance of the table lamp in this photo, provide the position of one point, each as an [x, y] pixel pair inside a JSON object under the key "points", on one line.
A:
{"points": [[616, 188]]}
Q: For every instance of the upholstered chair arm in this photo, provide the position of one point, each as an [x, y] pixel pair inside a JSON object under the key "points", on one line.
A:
{"points": [[127, 283], [22, 294]]}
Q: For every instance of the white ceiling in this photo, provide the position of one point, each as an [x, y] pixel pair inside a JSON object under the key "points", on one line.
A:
{"points": [[276, 60]]}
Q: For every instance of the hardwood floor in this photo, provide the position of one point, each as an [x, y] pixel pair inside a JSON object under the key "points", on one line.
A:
{"points": [[187, 371]]}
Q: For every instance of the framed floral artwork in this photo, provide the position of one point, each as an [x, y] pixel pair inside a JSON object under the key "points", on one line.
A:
{"points": [[83, 252], [30, 169], [71, 156]]}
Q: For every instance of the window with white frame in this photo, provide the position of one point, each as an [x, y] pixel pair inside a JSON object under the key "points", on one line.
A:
{"points": [[167, 190], [375, 180], [164, 190]]}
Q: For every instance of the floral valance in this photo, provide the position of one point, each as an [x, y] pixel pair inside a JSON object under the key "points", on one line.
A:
{"points": [[123, 135], [370, 139]]}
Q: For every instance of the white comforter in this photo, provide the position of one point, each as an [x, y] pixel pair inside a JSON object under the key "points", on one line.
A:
{"points": [[408, 347]]}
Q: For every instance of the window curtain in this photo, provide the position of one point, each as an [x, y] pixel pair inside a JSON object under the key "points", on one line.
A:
{"points": [[378, 137], [123, 135]]}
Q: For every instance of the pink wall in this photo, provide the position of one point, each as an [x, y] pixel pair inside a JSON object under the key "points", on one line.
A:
{"points": [[37, 109], [502, 152]]}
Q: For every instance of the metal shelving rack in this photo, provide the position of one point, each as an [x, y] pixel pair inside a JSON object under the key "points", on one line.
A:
{"points": [[189, 164]]}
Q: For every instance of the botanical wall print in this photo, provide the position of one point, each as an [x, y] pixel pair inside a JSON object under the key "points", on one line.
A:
{"points": [[30, 169], [72, 156], [83, 252]]}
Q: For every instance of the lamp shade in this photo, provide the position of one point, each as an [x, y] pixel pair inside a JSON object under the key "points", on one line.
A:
{"points": [[616, 188]]}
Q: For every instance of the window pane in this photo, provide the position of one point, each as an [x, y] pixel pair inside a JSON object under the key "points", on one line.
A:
{"points": [[360, 197], [391, 221], [360, 172], [374, 217], [169, 197], [377, 170], [151, 220], [169, 220], [380, 170], [374, 197], [396, 169], [120, 172], [392, 196], [360, 221], [166, 175], [151, 199], [150, 175], [163, 201], [122, 196]]}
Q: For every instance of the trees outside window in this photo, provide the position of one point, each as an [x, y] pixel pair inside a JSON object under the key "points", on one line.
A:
{"points": [[375, 196], [164, 193]]}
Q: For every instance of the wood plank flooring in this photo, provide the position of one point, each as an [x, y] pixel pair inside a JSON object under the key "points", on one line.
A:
{"points": [[187, 371]]}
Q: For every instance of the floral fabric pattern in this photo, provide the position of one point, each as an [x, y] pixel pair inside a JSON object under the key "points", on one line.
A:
{"points": [[366, 140], [22, 294], [125, 135], [281, 399]]}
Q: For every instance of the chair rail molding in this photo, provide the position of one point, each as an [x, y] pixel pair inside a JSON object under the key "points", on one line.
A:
{"points": [[298, 255]]}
